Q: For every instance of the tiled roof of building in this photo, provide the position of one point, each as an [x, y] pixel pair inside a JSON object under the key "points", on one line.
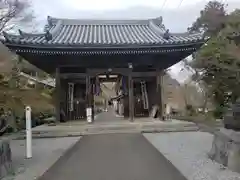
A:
{"points": [[80, 33]]}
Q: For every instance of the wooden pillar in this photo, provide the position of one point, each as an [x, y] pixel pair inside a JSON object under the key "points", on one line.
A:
{"points": [[58, 94], [64, 95], [89, 94], [130, 96], [92, 81], [160, 94], [88, 100]]}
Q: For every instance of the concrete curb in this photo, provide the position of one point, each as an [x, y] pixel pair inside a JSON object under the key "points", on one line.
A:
{"points": [[171, 130]]}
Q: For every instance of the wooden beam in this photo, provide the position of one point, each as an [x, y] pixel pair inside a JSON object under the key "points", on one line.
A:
{"points": [[108, 79], [144, 74], [146, 79], [81, 81], [122, 71], [72, 75]]}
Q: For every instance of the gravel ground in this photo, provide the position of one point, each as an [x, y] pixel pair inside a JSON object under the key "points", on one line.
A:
{"points": [[188, 152], [45, 153]]}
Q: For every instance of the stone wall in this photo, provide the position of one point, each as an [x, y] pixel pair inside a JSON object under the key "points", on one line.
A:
{"points": [[5, 159], [226, 149]]}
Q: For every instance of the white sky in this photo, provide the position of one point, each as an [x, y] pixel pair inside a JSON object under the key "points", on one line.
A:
{"points": [[120, 4], [50, 6]]}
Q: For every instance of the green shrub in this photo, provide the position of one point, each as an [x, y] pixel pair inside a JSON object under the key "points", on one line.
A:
{"points": [[219, 111]]}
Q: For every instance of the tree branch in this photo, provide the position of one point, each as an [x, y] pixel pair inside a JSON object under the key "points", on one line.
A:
{"points": [[11, 9]]}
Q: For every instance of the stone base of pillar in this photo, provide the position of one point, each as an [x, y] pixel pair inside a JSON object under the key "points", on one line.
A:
{"points": [[121, 109]]}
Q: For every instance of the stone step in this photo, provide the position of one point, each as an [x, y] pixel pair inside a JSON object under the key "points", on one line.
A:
{"points": [[108, 131]]}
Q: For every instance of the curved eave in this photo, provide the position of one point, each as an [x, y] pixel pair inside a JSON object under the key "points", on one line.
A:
{"points": [[102, 50], [12, 42]]}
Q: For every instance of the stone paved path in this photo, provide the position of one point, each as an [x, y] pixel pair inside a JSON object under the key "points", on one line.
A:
{"points": [[113, 157], [108, 117]]}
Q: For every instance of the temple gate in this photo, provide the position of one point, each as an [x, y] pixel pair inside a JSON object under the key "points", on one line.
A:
{"points": [[79, 51]]}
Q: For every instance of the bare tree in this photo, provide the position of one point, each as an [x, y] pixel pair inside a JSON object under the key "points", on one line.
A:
{"points": [[13, 12]]}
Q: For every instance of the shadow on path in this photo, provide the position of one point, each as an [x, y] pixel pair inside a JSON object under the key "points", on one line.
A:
{"points": [[113, 157]]}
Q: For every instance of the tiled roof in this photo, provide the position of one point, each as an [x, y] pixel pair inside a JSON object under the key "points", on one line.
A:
{"points": [[80, 33]]}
